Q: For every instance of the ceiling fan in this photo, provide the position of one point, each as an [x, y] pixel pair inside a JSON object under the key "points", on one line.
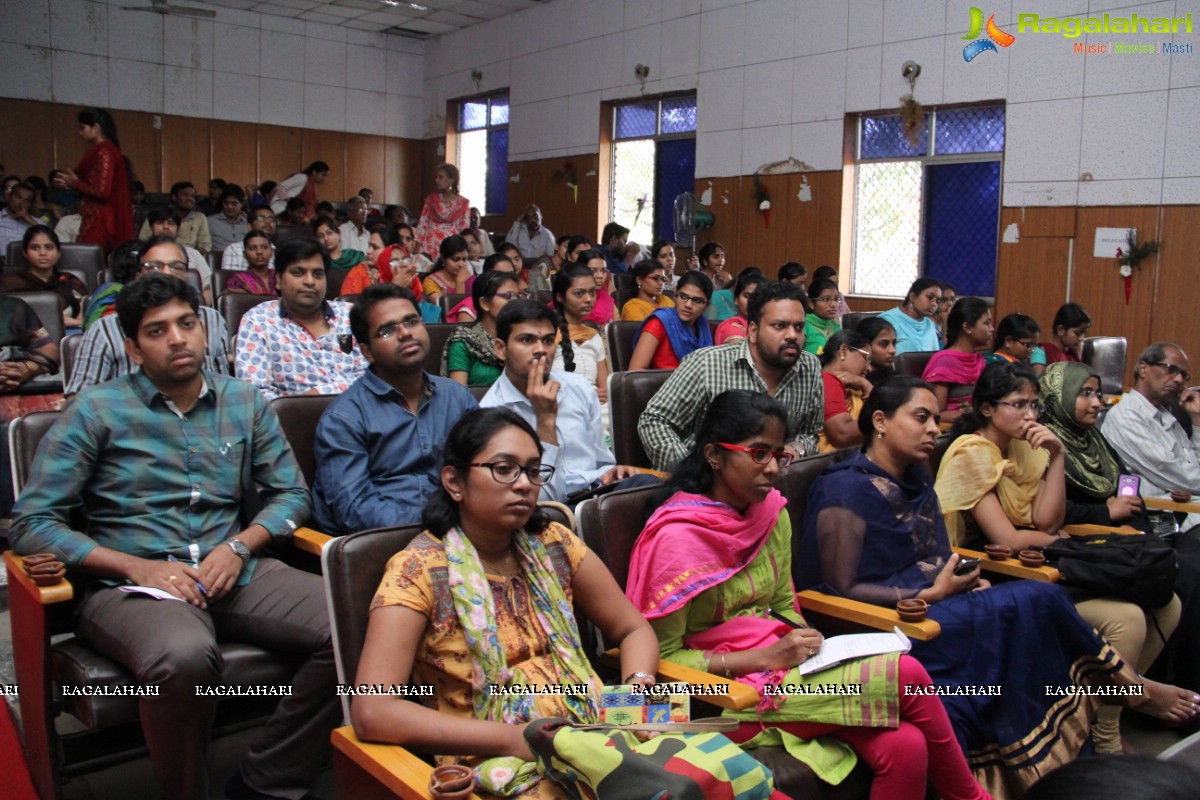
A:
{"points": [[164, 8]]}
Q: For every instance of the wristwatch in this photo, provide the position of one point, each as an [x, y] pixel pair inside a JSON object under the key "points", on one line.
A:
{"points": [[239, 547]]}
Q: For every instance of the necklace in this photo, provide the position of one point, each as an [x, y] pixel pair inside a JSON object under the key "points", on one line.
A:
{"points": [[506, 566]]}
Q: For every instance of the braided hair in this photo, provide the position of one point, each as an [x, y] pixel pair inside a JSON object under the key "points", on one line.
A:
{"points": [[561, 285]]}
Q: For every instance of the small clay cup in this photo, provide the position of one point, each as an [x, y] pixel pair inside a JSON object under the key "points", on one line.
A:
{"points": [[1032, 558], [912, 610], [998, 552], [452, 782]]}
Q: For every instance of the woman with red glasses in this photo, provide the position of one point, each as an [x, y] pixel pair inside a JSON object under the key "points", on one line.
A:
{"points": [[712, 571]]}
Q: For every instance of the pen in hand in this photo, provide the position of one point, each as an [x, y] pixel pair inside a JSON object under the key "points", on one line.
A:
{"points": [[772, 612], [199, 585]]}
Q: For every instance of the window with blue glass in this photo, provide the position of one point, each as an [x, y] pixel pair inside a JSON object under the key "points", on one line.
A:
{"points": [[927, 200], [654, 159], [483, 152]]}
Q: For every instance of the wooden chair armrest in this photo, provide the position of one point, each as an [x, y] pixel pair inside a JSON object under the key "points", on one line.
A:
{"points": [[310, 541], [658, 473], [390, 765], [1167, 504], [872, 616], [737, 697], [1087, 529], [1010, 567], [18, 580], [563, 509]]}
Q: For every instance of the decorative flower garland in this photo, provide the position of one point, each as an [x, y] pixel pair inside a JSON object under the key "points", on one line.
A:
{"points": [[568, 174], [1131, 258], [763, 201]]}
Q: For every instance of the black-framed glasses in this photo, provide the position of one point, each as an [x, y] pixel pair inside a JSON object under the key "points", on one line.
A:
{"points": [[1089, 393], [680, 297], [1023, 405], [178, 267], [512, 295], [761, 455], [835, 298], [1027, 345], [510, 472], [409, 323], [1172, 370]]}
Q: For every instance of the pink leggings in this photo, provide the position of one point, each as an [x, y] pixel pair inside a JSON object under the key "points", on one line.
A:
{"points": [[903, 758]]}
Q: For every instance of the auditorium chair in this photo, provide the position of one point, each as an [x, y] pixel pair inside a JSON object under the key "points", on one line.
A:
{"points": [[851, 320], [298, 417], [1106, 355], [68, 349], [42, 664], [84, 260], [913, 363], [628, 394], [439, 334], [232, 306], [447, 301], [620, 343]]}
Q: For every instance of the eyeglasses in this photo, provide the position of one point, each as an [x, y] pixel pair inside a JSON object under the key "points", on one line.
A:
{"points": [[680, 297], [512, 295], [864, 353], [179, 267], [1027, 345], [947, 301], [761, 455], [1088, 394], [408, 323], [833, 299], [1172, 370], [510, 472], [1024, 405]]}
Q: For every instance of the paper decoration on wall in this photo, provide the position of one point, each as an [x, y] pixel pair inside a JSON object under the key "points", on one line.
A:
{"points": [[725, 197], [441, 150], [706, 196], [805, 193], [514, 178], [1012, 234], [592, 173]]}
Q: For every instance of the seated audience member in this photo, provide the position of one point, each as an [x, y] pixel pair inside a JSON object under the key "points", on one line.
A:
{"points": [[711, 260], [771, 360], [1148, 437], [123, 263], [514, 255], [474, 250], [605, 308], [193, 226], [230, 224], [378, 446], [1002, 482], [467, 310], [451, 272], [354, 232], [124, 458], [378, 237], [1017, 340], [210, 204], [392, 264], [663, 252], [844, 365], [529, 235], [406, 237], [102, 354], [43, 254], [476, 224], [294, 212], [1071, 325], [259, 275], [261, 219], [508, 622], [470, 353], [945, 304], [825, 273], [165, 222], [649, 278], [560, 252], [794, 272], [581, 350], [15, 218], [341, 259], [912, 319], [20, 327], [614, 244], [823, 296], [302, 343], [576, 246], [714, 564], [561, 407], [882, 336], [874, 532], [669, 335], [968, 332], [733, 330]]}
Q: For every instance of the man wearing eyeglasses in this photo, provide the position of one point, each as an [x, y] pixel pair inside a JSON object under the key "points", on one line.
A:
{"points": [[379, 445], [1148, 436], [562, 407], [102, 355]]}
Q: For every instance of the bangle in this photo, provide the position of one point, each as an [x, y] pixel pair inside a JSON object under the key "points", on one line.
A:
{"points": [[725, 667], [640, 676]]}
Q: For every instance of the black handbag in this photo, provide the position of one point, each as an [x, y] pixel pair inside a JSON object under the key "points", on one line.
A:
{"points": [[1138, 568]]}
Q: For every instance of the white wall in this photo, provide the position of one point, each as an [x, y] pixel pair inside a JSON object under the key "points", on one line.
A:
{"points": [[242, 66], [775, 78]]}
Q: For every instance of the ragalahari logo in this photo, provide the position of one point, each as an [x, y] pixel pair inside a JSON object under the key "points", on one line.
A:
{"points": [[1002, 38]]}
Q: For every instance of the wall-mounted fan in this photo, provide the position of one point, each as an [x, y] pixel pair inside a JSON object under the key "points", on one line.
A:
{"points": [[690, 217], [164, 8]]}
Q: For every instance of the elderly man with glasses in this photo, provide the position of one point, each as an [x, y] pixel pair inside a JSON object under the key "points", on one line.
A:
{"points": [[102, 355]]}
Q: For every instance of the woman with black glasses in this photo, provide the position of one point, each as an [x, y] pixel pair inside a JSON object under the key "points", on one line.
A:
{"points": [[669, 334]]}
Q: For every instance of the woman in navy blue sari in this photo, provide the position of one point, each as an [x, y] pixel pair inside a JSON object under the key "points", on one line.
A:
{"points": [[873, 531]]}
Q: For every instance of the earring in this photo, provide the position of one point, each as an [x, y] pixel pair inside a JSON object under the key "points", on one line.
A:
{"points": [[878, 434]]}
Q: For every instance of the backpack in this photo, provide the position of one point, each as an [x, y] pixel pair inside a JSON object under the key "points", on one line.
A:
{"points": [[1138, 568]]}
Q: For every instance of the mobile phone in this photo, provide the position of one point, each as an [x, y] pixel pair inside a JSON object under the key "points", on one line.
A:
{"points": [[1128, 485], [966, 565]]}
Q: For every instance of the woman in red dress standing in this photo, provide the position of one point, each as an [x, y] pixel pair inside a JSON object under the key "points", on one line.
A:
{"points": [[446, 212], [102, 180]]}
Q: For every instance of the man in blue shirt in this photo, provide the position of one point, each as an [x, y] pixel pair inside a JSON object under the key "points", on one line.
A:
{"points": [[158, 461], [379, 445], [562, 407], [613, 243]]}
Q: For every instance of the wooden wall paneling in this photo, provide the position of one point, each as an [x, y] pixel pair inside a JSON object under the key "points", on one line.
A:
{"points": [[330, 147], [858, 303], [1037, 221], [813, 234], [280, 152], [142, 144], [724, 208], [26, 139], [402, 169], [235, 151], [430, 160], [760, 245], [561, 212], [64, 130], [1032, 278], [1174, 315], [365, 163], [187, 152]]}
